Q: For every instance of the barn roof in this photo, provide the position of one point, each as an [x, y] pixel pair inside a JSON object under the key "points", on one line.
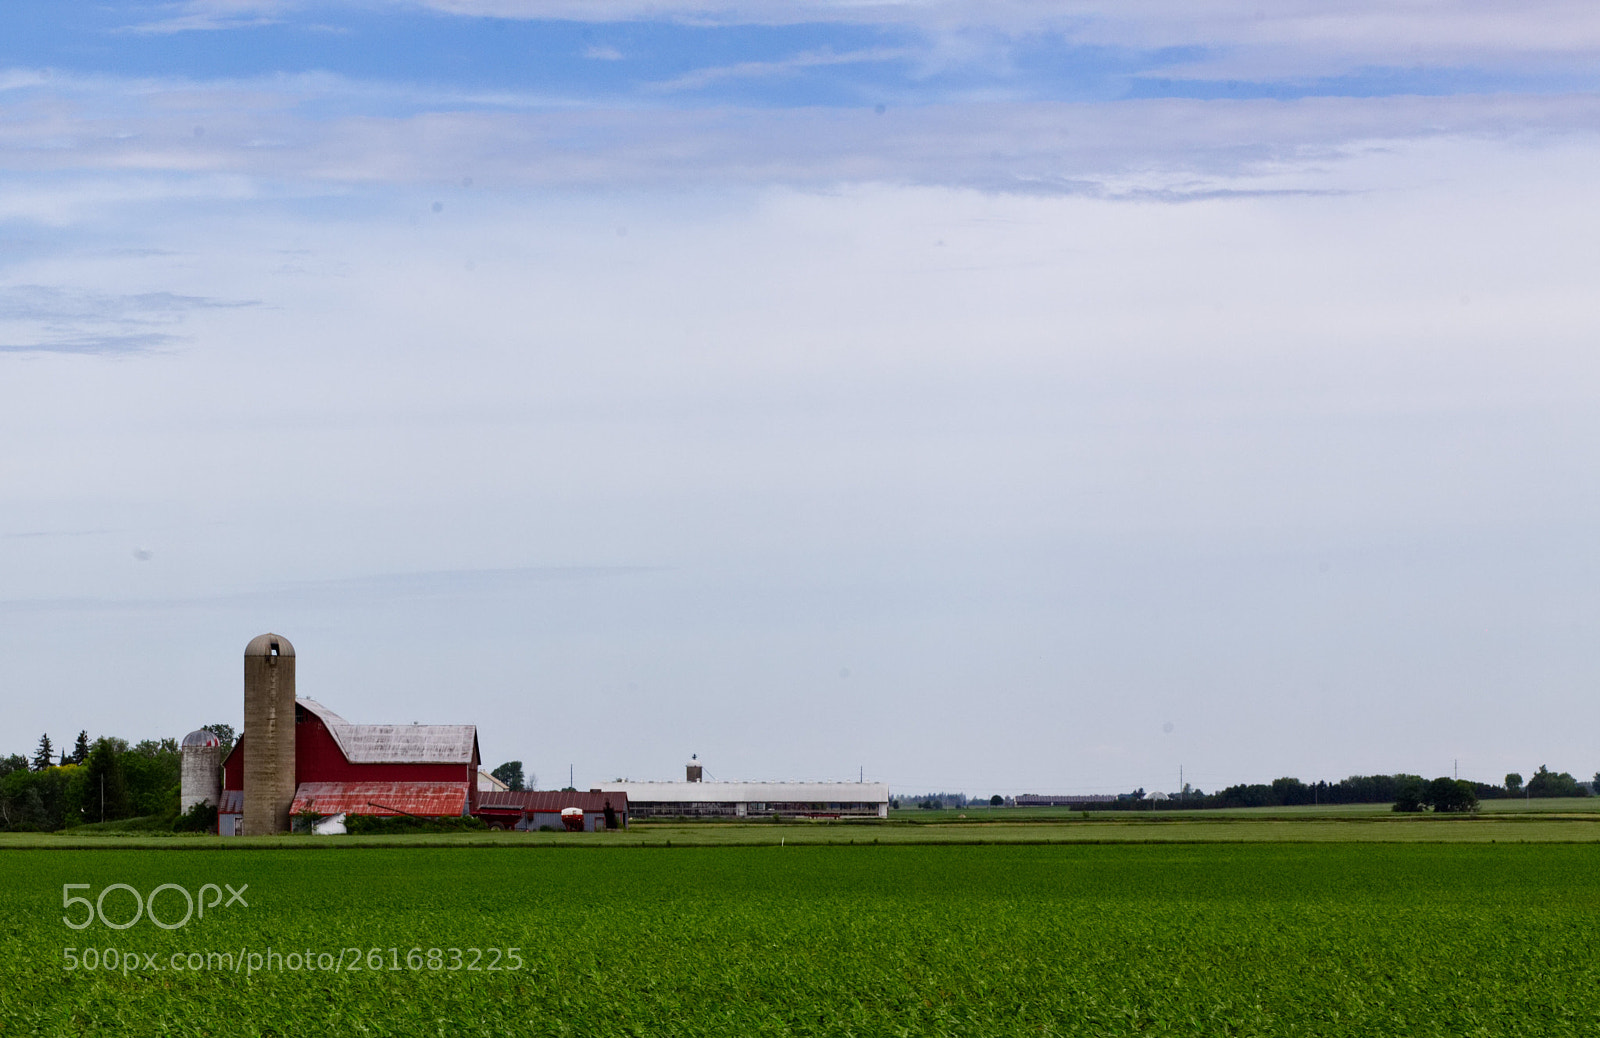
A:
{"points": [[398, 743], [552, 800], [381, 798]]}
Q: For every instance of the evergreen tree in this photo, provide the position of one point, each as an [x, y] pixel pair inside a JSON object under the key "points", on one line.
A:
{"points": [[511, 774], [105, 790], [80, 749], [44, 756]]}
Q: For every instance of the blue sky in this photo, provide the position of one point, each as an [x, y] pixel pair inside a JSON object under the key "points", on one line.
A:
{"points": [[1201, 384]]}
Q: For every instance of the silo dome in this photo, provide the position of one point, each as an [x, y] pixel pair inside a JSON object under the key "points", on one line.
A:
{"points": [[200, 738], [269, 645]]}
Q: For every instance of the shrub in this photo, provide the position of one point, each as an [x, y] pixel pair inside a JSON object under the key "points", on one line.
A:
{"points": [[388, 825], [201, 818]]}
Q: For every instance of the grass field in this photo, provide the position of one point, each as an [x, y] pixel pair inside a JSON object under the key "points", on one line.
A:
{"points": [[1350, 938], [1550, 821]]}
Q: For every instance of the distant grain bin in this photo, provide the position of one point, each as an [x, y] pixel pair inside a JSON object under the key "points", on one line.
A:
{"points": [[693, 768], [201, 778], [268, 735]]}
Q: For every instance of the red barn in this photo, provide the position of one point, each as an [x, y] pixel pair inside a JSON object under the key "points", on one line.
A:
{"points": [[369, 769]]}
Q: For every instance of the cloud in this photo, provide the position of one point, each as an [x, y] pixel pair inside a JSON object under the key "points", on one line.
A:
{"points": [[1239, 38], [701, 78], [1244, 37], [1158, 147], [47, 319], [93, 345], [22, 79], [213, 16], [599, 53]]}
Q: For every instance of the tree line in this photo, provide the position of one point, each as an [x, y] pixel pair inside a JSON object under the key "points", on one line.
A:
{"points": [[103, 780], [1406, 792]]}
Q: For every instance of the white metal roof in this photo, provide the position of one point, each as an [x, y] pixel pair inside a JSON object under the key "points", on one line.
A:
{"points": [[398, 743], [751, 792]]}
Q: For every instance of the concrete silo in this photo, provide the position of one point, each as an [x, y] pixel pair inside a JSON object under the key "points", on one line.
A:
{"points": [[201, 778], [268, 735]]}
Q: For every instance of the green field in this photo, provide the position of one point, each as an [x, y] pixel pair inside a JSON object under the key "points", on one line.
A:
{"points": [[1352, 938], [1549, 821]]}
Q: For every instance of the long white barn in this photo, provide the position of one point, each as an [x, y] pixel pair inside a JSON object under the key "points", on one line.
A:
{"points": [[754, 799]]}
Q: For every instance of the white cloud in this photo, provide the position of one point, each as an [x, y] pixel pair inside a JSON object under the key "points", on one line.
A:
{"points": [[22, 79], [700, 78], [214, 16], [264, 136], [38, 319], [1241, 38]]}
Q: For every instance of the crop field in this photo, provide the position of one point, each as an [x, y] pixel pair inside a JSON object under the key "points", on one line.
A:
{"points": [[1214, 939], [1558, 824]]}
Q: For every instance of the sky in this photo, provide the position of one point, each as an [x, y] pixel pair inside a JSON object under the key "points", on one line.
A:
{"points": [[987, 397]]}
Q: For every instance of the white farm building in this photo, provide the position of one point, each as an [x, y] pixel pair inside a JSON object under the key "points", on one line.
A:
{"points": [[698, 799]]}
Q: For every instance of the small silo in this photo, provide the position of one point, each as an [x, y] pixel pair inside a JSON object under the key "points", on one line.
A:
{"points": [[268, 735], [201, 778], [693, 769]]}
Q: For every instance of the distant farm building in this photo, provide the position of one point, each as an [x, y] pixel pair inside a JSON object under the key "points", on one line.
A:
{"points": [[1035, 800], [695, 798], [529, 811]]}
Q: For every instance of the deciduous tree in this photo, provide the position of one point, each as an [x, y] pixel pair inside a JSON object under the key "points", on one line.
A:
{"points": [[225, 735], [1451, 796], [1547, 783], [1409, 794]]}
